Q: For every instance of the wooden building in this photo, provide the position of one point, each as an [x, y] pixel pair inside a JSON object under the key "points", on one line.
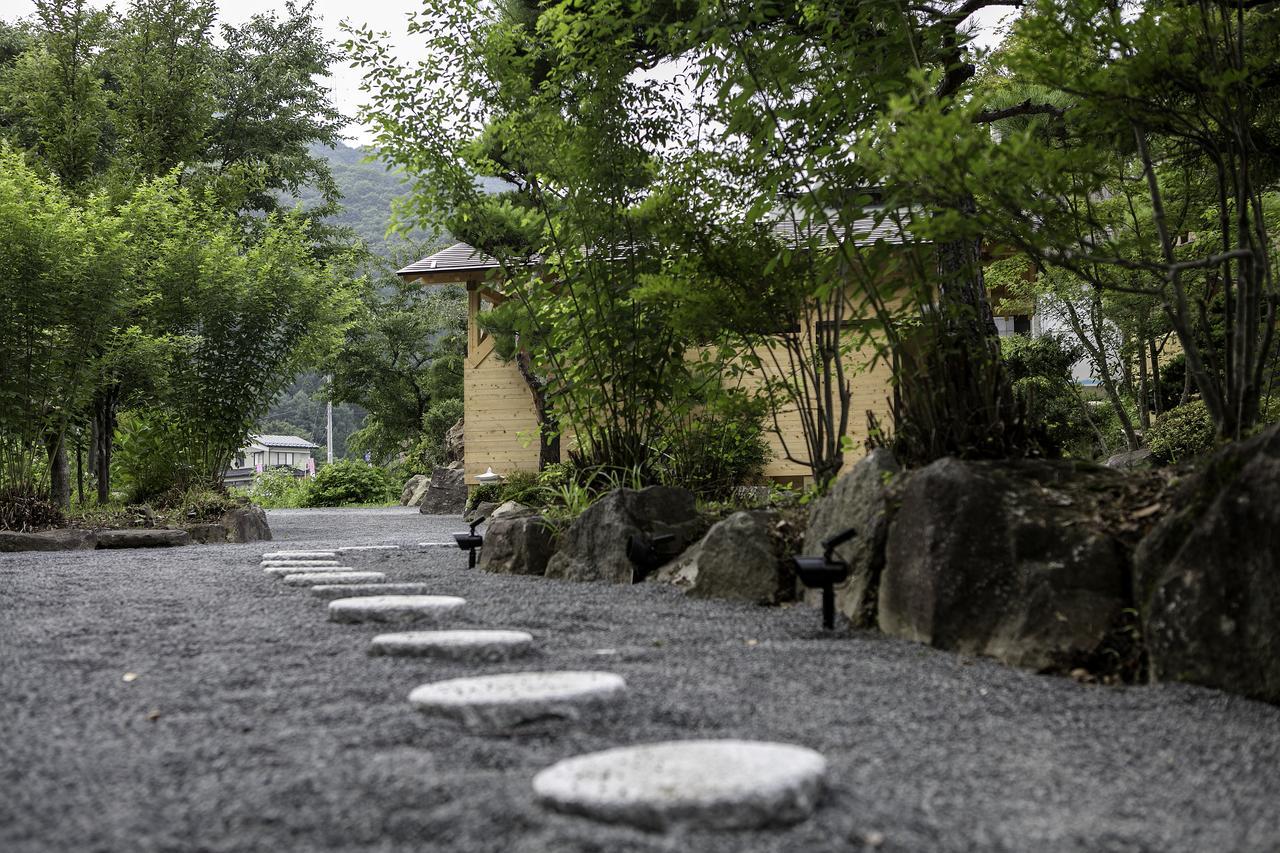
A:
{"points": [[500, 425]]}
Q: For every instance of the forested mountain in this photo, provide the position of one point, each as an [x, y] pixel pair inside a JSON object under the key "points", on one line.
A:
{"points": [[300, 411], [368, 189]]}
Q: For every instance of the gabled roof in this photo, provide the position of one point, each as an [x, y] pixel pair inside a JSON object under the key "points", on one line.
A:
{"points": [[282, 441], [457, 258], [461, 257]]}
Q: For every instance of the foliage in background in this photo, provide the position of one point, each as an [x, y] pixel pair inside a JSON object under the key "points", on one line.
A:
{"points": [[171, 140], [300, 410], [278, 488], [64, 286], [400, 360], [1182, 433], [597, 355], [350, 482], [1057, 417], [718, 448], [799, 98]]}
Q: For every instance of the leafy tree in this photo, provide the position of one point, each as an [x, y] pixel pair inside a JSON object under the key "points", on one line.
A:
{"points": [[401, 356], [63, 283], [598, 356], [271, 108], [1153, 175], [53, 94], [243, 317], [163, 62]]}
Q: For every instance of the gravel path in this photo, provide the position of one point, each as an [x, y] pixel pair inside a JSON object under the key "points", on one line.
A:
{"points": [[254, 724]]}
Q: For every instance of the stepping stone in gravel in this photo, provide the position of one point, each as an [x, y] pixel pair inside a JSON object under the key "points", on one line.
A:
{"points": [[301, 564], [704, 784], [394, 608], [519, 701], [370, 548], [281, 571], [356, 590], [437, 544], [313, 578], [298, 555], [454, 645]]}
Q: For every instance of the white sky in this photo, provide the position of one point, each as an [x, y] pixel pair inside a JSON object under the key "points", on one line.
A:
{"points": [[389, 16]]}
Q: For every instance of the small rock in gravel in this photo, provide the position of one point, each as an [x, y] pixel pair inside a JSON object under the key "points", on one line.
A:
{"points": [[454, 645], [281, 571], [704, 784], [355, 590], [518, 701], [394, 608], [313, 578]]}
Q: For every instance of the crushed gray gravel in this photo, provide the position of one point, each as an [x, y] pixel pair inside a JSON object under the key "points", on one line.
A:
{"points": [[253, 723]]}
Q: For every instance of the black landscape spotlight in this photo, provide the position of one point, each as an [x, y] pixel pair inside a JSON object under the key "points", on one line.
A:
{"points": [[825, 572], [647, 553], [470, 542]]}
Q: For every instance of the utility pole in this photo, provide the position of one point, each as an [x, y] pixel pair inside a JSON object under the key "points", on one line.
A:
{"points": [[328, 426]]}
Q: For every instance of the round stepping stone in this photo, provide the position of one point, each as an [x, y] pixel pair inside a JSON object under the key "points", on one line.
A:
{"points": [[288, 555], [705, 784], [300, 564], [394, 608], [454, 645], [519, 700], [355, 590], [370, 548], [313, 578], [281, 571]]}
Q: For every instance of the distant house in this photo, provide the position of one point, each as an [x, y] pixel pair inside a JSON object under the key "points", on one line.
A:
{"points": [[272, 451]]}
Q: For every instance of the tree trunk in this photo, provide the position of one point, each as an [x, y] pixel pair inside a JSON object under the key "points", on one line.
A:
{"points": [[1155, 378], [80, 466], [1144, 389], [548, 423], [105, 427], [59, 472]]}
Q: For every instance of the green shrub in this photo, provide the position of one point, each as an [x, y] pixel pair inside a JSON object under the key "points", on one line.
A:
{"points": [[148, 459], [349, 482], [1039, 370], [718, 449], [1182, 433], [278, 488], [440, 416], [481, 494], [200, 505]]}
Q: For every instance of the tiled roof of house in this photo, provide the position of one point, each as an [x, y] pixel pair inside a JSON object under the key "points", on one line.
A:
{"points": [[281, 441], [463, 258]]}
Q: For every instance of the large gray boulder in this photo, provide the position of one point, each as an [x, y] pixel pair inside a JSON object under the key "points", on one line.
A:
{"points": [[247, 524], [1005, 559], [481, 510], [595, 545], [414, 488], [1207, 577], [62, 539], [859, 499], [446, 494], [517, 544], [737, 560]]}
